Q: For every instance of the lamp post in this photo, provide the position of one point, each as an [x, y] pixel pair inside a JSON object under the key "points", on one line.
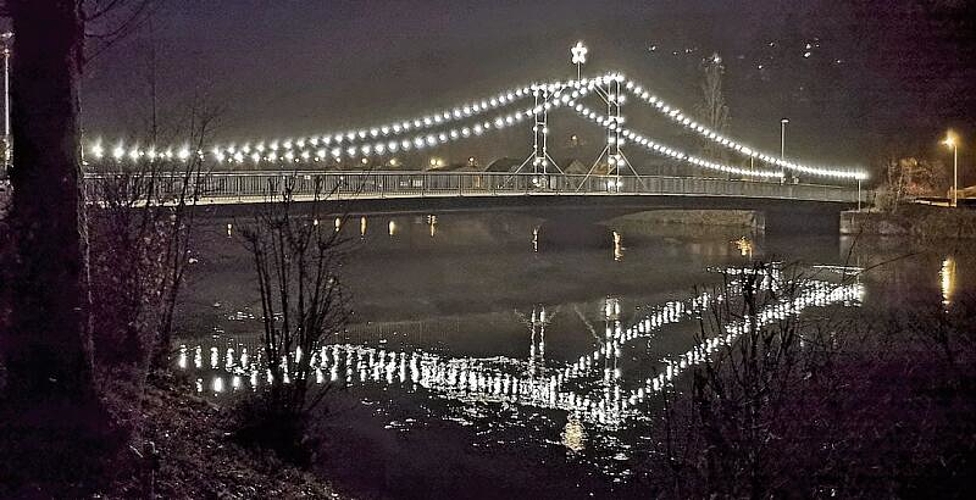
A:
{"points": [[782, 137], [953, 143], [6, 38], [782, 142], [579, 58]]}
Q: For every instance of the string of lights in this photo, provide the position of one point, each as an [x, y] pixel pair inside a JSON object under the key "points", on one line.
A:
{"points": [[679, 117], [304, 151], [387, 139], [352, 143], [656, 147]]}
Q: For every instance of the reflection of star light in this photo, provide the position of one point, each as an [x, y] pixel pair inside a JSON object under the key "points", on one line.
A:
{"points": [[618, 248], [948, 275], [573, 436], [432, 222], [745, 246]]}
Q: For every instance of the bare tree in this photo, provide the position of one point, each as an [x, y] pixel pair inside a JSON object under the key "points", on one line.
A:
{"points": [[297, 262], [141, 234], [111, 21], [712, 110]]}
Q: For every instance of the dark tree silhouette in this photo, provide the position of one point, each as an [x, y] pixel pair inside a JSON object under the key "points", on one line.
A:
{"points": [[48, 348], [54, 427]]}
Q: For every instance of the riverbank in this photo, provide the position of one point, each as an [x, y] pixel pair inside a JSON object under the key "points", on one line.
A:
{"points": [[916, 221], [195, 456]]}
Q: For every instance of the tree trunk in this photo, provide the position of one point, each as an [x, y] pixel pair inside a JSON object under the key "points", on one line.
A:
{"points": [[48, 352]]}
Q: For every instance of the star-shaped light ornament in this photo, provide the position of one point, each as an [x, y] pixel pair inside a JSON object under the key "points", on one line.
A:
{"points": [[579, 53]]}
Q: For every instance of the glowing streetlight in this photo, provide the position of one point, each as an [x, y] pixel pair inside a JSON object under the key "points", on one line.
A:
{"points": [[6, 39], [782, 139], [579, 58], [953, 142]]}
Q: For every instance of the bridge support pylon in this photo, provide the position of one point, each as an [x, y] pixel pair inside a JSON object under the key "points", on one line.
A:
{"points": [[540, 159], [613, 152]]}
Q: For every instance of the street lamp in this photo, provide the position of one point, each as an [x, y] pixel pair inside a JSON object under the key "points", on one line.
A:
{"points": [[579, 58], [782, 138], [782, 141], [6, 39], [953, 142]]}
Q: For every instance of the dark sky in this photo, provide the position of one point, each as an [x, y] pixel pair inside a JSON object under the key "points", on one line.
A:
{"points": [[878, 72]]}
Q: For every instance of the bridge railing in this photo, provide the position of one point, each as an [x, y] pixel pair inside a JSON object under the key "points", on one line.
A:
{"points": [[256, 186]]}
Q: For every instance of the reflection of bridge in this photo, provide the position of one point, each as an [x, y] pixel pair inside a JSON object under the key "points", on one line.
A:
{"points": [[377, 147], [592, 387]]}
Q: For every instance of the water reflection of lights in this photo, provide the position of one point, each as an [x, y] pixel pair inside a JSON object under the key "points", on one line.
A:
{"points": [[230, 230], [618, 248], [745, 246], [818, 294], [591, 387], [432, 222], [338, 223], [362, 226], [574, 436], [392, 228], [948, 279], [535, 239]]}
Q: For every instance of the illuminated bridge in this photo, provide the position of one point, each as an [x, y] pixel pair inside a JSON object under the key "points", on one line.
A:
{"points": [[748, 179]]}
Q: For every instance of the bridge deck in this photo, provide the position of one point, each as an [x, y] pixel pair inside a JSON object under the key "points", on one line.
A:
{"points": [[257, 187]]}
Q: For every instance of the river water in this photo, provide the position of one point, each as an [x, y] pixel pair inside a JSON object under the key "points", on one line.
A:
{"points": [[500, 355]]}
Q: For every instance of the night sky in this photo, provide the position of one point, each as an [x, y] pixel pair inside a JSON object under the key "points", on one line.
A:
{"points": [[876, 75]]}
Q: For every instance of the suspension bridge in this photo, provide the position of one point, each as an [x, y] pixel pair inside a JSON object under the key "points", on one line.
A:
{"points": [[749, 179]]}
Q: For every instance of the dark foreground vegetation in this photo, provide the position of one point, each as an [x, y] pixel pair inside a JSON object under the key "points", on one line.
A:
{"points": [[878, 405], [146, 436], [188, 450]]}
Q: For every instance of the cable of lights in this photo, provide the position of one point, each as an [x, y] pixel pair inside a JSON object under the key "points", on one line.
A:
{"points": [[679, 117], [347, 139], [287, 152], [662, 149]]}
